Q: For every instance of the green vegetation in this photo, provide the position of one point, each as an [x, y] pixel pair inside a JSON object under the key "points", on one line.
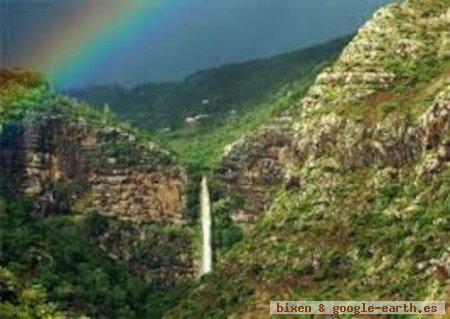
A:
{"points": [[407, 100], [55, 267], [22, 94], [361, 241], [215, 92], [25, 95], [20, 301], [355, 226], [369, 231], [199, 147], [56, 259], [237, 100]]}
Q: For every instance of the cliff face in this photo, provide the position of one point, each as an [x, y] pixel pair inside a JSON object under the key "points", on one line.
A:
{"points": [[375, 104], [253, 165], [107, 185], [67, 165], [383, 102], [361, 208]]}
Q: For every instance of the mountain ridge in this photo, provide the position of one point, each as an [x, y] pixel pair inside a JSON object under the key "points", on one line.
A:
{"points": [[212, 91], [339, 190], [360, 207]]}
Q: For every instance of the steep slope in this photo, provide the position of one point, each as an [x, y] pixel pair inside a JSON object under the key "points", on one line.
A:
{"points": [[380, 86], [361, 180], [92, 210]]}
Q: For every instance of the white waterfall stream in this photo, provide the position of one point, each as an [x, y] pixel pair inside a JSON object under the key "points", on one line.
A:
{"points": [[205, 210]]}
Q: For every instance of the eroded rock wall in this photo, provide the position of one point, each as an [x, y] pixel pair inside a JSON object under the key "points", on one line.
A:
{"points": [[252, 166], [67, 165], [274, 156], [345, 117]]}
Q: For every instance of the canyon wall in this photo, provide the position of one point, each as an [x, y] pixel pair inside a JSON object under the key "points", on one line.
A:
{"points": [[374, 106], [67, 165], [251, 166]]}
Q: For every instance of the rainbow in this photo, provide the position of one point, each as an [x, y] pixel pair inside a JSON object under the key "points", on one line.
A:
{"points": [[80, 52]]}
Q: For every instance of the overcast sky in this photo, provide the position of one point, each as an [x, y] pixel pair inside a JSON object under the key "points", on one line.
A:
{"points": [[188, 35]]}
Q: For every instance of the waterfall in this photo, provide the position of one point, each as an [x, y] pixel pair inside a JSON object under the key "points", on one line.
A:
{"points": [[205, 210]]}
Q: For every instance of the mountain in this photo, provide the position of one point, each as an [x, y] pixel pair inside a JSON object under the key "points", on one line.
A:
{"points": [[105, 218], [332, 185], [355, 185], [213, 93], [196, 118]]}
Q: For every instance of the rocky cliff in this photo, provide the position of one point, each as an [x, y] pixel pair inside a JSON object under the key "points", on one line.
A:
{"points": [[108, 185], [384, 102], [66, 164], [253, 165], [359, 206]]}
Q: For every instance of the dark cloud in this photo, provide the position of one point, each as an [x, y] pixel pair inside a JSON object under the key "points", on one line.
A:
{"points": [[188, 34]]}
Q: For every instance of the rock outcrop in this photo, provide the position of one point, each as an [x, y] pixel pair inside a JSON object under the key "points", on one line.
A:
{"points": [[359, 112], [68, 159], [64, 165], [251, 166]]}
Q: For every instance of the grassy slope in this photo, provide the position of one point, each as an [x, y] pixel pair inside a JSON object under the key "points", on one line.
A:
{"points": [[359, 241], [357, 233], [199, 147]]}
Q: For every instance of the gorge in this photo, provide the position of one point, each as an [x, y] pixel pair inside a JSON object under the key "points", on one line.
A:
{"points": [[336, 187]]}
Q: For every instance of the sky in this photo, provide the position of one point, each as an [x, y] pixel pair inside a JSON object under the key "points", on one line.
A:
{"points": [[85, 42]]}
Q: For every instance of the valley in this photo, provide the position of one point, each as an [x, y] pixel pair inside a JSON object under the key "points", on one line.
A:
{"points": [[320, 174], [210, 109]]}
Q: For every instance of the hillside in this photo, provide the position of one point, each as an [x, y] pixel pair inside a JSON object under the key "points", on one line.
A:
{"points": [[83, 200], [199, 147], [356, 183], [330, 181], [215, 92], [105, 217]]}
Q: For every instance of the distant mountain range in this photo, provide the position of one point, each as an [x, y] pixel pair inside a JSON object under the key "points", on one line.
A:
{"points": [[214, 94]]}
